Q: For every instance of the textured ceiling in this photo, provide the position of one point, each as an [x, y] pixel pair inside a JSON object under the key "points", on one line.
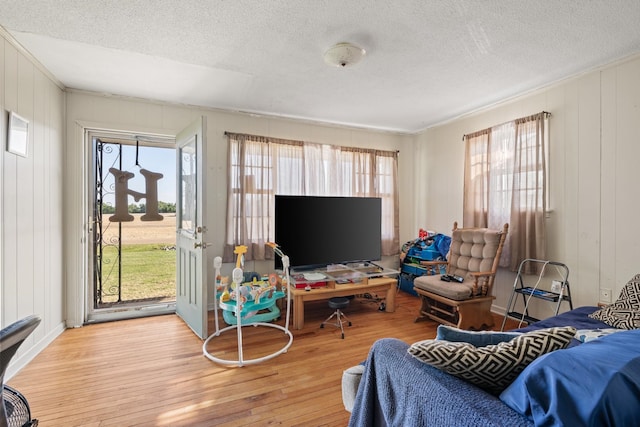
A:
{"points": [[428, 61]]}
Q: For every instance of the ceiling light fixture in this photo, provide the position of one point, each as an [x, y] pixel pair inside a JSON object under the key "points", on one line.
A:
{"points": [[344, 55]]}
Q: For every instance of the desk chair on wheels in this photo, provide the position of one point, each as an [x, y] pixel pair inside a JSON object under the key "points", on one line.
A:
{"points": [[338, 303]]}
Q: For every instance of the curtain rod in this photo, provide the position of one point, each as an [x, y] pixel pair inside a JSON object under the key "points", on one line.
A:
{"points": [[227, 133], [546, 113]]}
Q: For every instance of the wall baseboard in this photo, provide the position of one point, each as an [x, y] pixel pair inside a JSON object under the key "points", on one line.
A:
{"points": [[21, 360]]}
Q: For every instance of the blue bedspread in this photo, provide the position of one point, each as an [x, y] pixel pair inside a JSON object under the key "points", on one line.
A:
{"points": [[398, 390], [590, 385], [578, 318]]}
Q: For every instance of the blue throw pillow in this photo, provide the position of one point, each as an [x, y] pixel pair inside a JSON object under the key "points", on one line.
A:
{"points": [[593, 384], [475, 338]]}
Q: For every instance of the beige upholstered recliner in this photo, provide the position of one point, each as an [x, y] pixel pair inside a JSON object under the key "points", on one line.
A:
{"points": [[473, 255]]}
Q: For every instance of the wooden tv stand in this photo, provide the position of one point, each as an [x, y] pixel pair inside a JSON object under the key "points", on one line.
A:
{"points": [[369, 285]]}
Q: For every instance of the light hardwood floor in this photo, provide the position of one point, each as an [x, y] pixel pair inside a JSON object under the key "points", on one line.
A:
{"points": [[152, 372]]}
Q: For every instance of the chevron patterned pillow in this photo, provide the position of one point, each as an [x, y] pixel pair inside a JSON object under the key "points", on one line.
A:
{"points": [[492, 367], [625, 312]]}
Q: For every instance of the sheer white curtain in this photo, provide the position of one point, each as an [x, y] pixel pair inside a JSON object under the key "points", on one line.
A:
{"points": [[261, 167], [529, 202], [476, 179], [505, 182]]}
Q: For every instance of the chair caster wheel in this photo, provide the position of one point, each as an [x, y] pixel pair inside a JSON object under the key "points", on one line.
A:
{"points": [[349, 323], [342, 336], [322, 326]]}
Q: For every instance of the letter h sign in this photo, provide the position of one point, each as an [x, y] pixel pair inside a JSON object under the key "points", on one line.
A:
{"points": [[122, 191]]}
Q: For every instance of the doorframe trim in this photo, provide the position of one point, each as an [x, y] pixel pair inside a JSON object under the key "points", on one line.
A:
{"points": [[76, 222]]}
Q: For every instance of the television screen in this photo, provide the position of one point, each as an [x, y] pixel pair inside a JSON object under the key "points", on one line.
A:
{"points": [[316, 231]]}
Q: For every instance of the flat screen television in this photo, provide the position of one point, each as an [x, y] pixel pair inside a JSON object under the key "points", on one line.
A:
{"points": [[316, 231]]}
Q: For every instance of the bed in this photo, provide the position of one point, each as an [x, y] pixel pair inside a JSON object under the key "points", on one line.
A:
{"points": [[397, 389]]}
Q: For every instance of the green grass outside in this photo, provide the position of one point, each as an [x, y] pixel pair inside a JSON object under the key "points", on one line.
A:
{"points": [[148, 271]]}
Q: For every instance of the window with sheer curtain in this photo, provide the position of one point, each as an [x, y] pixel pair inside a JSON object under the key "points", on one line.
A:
{"points": [[261, 167], [505, 182]]}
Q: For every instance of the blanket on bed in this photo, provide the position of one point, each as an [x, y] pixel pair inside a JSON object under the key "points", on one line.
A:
{"points": [[398, 390], [578, 318]]}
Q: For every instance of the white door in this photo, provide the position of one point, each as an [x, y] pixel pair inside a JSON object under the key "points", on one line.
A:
{"points": [[191, 269]]}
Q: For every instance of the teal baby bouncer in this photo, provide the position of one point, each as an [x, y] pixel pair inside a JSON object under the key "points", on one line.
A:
{"points": [[257, 297], [249, 303]]}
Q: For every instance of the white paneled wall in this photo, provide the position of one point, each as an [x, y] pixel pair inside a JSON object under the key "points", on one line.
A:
{"points": [[594, 177], [84, 109], [620, 174], [32, 278]]}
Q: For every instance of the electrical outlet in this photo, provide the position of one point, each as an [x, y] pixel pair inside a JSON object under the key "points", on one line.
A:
{"points": [[605, 295], [556, 286]]}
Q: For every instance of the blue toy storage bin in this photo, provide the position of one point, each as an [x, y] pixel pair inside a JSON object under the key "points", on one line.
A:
{"points": [[417, 251], [427, 254], [410, 271], [406, 283], [413, 269]]}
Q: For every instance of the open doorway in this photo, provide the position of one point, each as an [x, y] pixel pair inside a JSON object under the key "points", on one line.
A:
{"points": [[132, 206]]}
